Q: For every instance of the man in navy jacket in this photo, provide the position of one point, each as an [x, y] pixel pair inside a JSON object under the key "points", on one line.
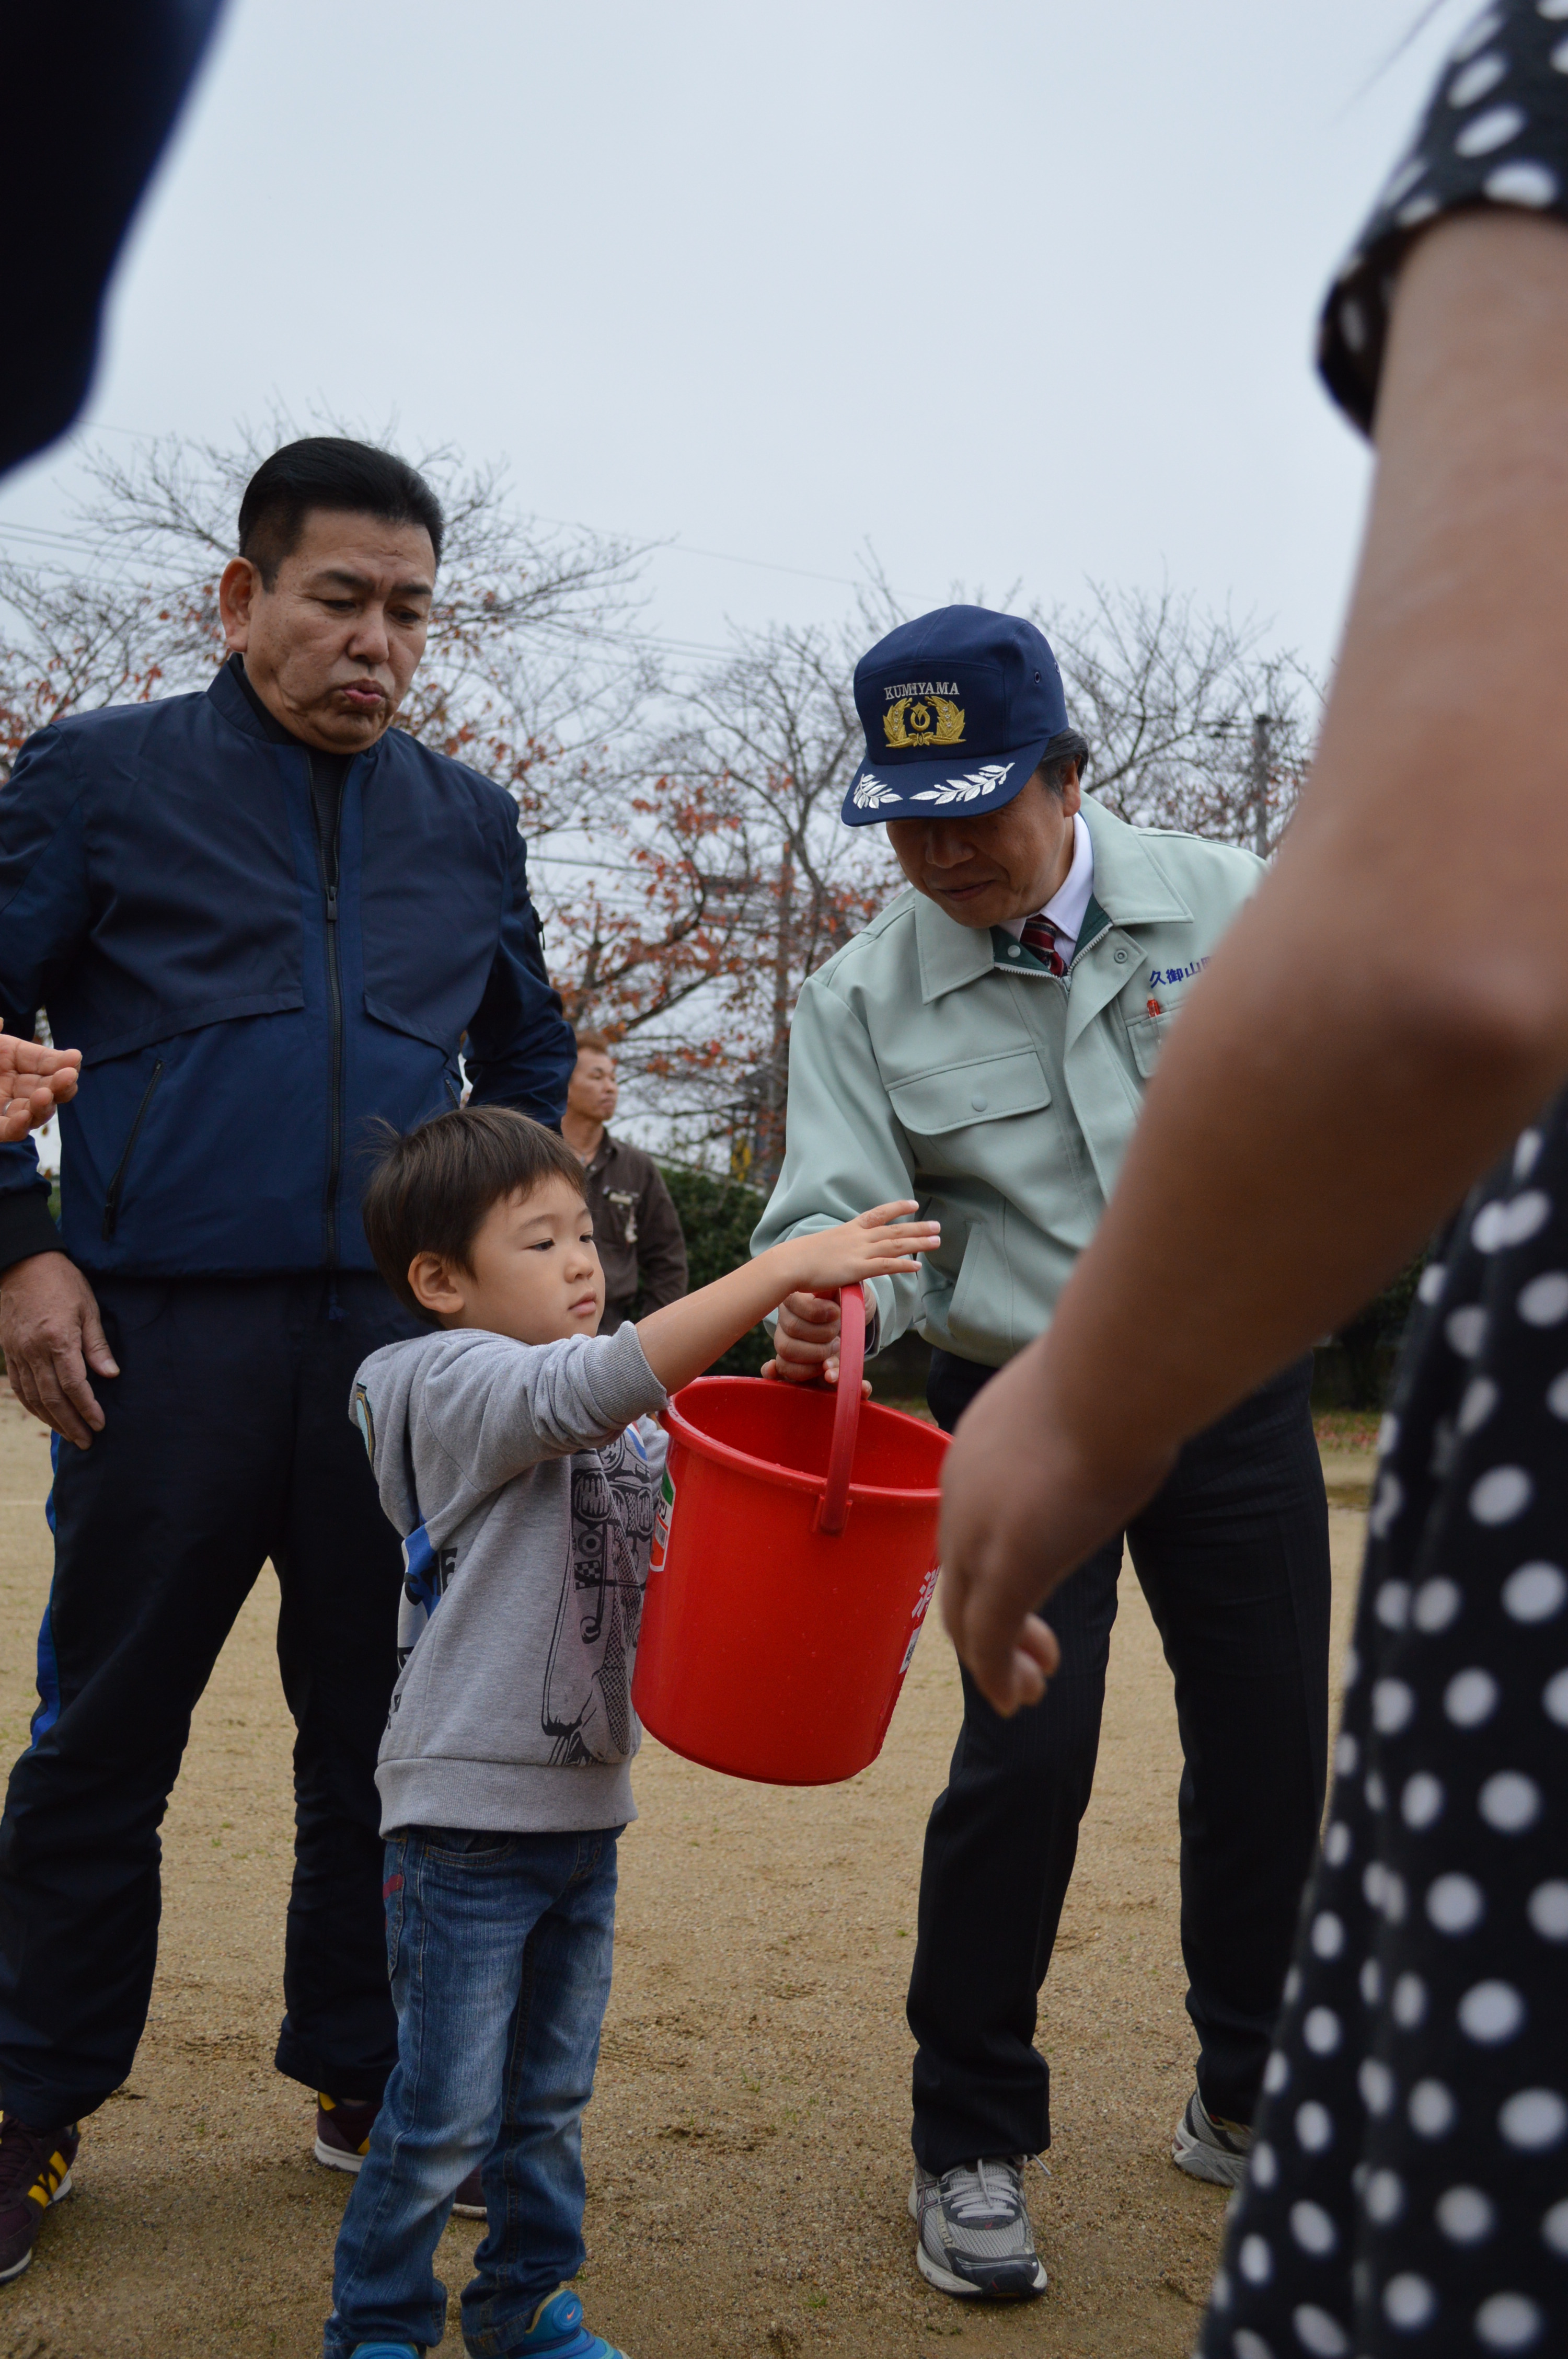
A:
{"points": [[268, 920]]}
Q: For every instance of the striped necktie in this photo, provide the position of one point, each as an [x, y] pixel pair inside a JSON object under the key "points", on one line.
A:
{"points": [[1040, 936]]}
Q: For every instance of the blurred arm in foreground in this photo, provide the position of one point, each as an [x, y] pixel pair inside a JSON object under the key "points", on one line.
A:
{"points": [[1388, 1011]]}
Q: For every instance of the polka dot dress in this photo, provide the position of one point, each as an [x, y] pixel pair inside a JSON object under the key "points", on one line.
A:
{"points": [[1496, 134], [1409, 2186]]}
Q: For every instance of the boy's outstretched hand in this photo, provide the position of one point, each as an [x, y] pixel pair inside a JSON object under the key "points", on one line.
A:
{"points": [[688, 1336], [883, 1243], [34, 1082]]}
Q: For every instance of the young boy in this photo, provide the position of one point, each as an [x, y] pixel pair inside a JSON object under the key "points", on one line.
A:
{"points": [[507, 1453]]}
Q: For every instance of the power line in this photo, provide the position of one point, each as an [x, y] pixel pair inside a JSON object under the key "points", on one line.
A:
{"points": [[42, 533], [766, 565], [599, 867], [678, 548], [571, 524]]}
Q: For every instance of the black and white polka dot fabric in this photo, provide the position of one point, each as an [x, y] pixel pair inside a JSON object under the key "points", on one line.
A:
{"points": [[1409, 2186], [1496, 134]]}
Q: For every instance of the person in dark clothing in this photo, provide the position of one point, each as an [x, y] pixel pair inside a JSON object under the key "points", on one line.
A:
{"points": [[636, 1226], [267, 920]]}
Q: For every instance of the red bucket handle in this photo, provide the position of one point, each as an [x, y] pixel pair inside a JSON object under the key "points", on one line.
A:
{"points": [[833, 1509]]}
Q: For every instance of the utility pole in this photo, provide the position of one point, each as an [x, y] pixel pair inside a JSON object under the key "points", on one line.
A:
{"points": [[1261, 724], [771, 1130]]}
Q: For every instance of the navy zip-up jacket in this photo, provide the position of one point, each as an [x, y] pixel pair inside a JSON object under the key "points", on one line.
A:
{"points": [[165, 894]]}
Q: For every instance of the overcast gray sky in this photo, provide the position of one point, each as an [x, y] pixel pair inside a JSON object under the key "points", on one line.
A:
{"points": [[1020, 292]]}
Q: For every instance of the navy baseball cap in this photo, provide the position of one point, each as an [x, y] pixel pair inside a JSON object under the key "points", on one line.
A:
{"points": [[958, 708]]}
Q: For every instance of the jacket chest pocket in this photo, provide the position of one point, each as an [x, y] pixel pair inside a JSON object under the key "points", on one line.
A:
{"points": [[1147, 1035], [983, 1090], [431, 894], [625, 1212], [196, 913]]}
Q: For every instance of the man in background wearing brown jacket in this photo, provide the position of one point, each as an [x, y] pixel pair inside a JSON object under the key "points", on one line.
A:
{"points": [[636, 1226]]}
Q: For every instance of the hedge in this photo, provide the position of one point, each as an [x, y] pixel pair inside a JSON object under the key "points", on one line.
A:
{"points": [[717, 1216]]}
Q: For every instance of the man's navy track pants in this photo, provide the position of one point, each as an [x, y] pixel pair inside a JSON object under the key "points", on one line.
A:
{"points": [[226, 1441]]}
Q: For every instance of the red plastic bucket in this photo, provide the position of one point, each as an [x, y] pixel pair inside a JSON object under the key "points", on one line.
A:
{"points": [[793, 1559]]}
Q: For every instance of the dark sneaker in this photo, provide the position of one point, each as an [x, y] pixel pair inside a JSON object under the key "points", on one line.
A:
{"points": [[556, 2331], [1211, 2150], [343, 2131], [35, 2171], [342, 2140], [975, 2237]]}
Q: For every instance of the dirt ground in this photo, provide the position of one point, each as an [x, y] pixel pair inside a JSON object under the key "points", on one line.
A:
{"points": [[748, 2147]]}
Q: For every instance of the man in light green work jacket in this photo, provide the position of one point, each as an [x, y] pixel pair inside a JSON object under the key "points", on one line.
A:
{"points": [[983, 1045]]}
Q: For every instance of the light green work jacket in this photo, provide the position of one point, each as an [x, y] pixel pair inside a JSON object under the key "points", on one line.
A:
{"points": [[945, 1063]]}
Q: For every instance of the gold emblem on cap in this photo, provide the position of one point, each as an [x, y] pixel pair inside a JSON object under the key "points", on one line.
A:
{"points": [[923, 721]]}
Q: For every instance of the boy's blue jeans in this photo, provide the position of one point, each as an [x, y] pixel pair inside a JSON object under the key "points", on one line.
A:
{"points": [[499, 1948]]}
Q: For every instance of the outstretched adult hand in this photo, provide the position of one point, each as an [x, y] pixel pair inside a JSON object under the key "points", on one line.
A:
{"points": [[51, 1334], [35, 1081], [1026, 1497]]}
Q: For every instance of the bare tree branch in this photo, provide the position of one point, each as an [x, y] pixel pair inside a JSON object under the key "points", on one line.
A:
{"points": [[1169, 698]]}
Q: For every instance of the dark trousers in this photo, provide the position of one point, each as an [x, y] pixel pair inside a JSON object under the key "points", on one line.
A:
{"points": [[226, 1441], [1232, 1556]]}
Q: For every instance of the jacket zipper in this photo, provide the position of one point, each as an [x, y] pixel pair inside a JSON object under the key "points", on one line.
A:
{"points": [[326, 861], [112, 1200]]}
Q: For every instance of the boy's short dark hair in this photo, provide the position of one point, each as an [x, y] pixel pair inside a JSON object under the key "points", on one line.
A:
{"points": [[432, 1189]]}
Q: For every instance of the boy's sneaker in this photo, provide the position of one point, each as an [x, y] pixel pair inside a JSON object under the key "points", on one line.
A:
{"points": [[556, 2331], [35, 2171], [385, 2351], [1210, 2150], [975, 2235], [343, 2126]]}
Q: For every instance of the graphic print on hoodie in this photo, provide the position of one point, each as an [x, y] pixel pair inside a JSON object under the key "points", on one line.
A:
{"points": [[587, 1681], [525, 1495]]}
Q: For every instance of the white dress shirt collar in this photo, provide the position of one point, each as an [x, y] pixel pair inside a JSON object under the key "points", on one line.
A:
{"points": [[1066, 910]]}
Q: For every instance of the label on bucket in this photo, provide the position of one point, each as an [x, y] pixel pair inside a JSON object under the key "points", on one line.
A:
{"points": [[922, 1604], [661, 1516]]}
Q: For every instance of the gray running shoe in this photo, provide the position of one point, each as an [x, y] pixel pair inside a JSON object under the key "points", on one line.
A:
{"points": [[975, 2237], [1205, 2148]]}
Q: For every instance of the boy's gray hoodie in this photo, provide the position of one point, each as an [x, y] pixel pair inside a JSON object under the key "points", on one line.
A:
{"points": [[526, 1510]]}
